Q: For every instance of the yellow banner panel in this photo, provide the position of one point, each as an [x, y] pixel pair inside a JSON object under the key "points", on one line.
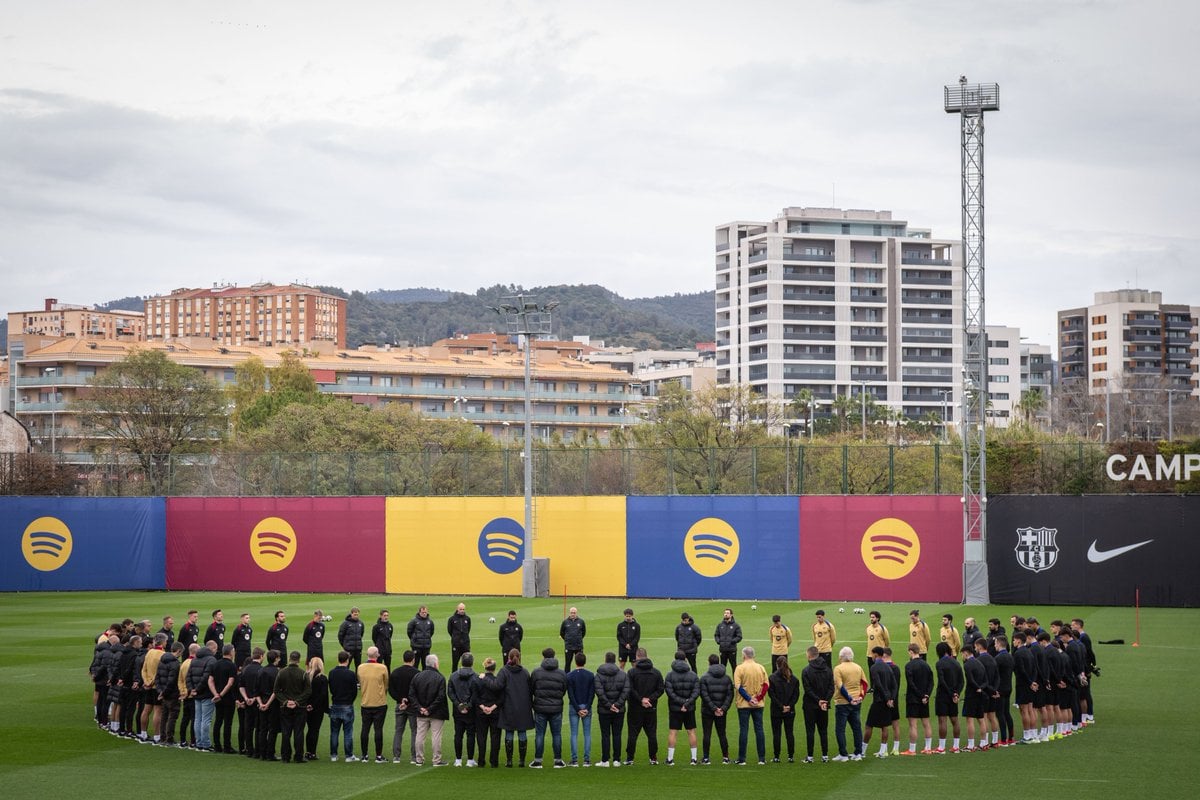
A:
{"points": [[584, 538]]}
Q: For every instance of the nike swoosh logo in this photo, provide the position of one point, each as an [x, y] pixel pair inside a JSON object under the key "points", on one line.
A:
{"points": [[1097, 556]]}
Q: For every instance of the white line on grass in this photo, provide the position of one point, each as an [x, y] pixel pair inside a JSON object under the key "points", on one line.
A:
{"points": [[1076, 780], [378, 786]]}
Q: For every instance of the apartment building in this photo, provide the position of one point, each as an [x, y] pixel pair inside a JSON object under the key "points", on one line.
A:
{"points": [[653, 369], [1127, 335], [841, 302], [571, 398], [1003, 374], [262, 314]]}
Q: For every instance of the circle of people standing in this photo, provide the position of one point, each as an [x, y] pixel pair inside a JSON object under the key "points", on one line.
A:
{"points": [[186, 688]]}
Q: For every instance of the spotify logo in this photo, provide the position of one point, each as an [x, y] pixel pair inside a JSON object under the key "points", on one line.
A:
{"points": [[891, 548], [502, 545], [46, 543], [711, 547], [273, 544]]}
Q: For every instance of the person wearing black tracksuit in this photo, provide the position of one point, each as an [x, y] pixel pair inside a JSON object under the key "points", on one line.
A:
{"points": [[728, 636], [350, 636], [688, 638], [629, 637], [485, 700], [646, 685], [612, 691], [816, 680], [459, 629], [420, 636]]}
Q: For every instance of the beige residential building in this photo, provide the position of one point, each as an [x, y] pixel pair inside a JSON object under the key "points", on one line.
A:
{"points": [[262, 314]]}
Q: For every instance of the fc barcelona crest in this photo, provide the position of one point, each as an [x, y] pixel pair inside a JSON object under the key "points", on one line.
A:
{"points": [[1036, 548]]}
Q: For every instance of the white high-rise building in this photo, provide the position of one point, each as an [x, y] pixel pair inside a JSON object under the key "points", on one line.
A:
{"points": [[838, 302]]}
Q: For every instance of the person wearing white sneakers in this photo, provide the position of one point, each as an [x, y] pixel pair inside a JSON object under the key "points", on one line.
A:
{"points": [[884, 691], [918, 682], [849, 682], [950, 686]]}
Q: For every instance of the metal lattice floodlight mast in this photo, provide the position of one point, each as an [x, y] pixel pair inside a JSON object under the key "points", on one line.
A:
{"points": [[525, 317], [969, 101]]}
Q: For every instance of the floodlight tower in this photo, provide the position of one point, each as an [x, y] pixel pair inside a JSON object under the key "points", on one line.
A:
{"points": [[969, 101]]}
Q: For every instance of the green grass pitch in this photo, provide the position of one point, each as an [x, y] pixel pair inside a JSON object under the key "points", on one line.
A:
{"points": [[1142, 745]]}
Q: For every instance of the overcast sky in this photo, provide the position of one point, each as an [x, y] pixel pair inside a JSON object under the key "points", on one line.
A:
{"points": [[146, 146]]}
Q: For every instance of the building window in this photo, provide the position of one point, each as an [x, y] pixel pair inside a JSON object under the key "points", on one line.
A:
{"points": [[431, 382], [358, 380]]}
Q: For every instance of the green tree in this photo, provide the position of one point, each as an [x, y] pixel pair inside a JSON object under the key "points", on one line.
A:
{"points": [[259, 394], [804, 403], [153, 408]]}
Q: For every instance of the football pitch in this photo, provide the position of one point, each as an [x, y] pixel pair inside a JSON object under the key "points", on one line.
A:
{"points": [[1143, 741]]}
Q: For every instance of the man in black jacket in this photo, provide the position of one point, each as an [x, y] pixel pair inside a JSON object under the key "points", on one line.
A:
{"points": [[459, 628], [992, 670], [548, 687], [612, 691], [247, 690], [885, 690], [314, 637], [458, 692], [166, 683], [716, 698], [511, 634], [420, 635], [688, 638], [189, 634], [242, 646], [292, 690], [268, 707], [343, 689], [399, 684], [816, 682], [427, 696], [645, 687], [197, 684], [918, 683], [682, 686], [949, 690], [572, 631], [381, 637], [728, 636], [977, 698], [277, 635], [222, 683], [216, 630], [350, 636], [629, 636]]}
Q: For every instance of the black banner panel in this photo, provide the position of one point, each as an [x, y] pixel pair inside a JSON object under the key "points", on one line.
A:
{"points": [[1094, 550]]}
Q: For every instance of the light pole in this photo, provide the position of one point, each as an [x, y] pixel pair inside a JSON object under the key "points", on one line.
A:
{"points": [[527, 318], [946, 395], [862, 397]]}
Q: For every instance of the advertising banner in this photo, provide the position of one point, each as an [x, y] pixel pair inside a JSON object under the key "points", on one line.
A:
{"points": [[475, 545], [889, 549], [81, 543], [713, 547], [276, 544], [1094, 550]]}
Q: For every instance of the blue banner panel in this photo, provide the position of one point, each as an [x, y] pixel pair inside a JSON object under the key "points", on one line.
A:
{"points": [[736, 548], [82, 543]]}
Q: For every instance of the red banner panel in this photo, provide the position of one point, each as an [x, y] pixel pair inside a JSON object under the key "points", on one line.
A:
{"points": [[276, 544], [892, 549]]}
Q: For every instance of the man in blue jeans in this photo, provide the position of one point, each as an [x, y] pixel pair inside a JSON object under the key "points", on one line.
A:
{"points": [[197, 683], [581, 690], [750, 683], [849, 685], [343, 689], [548, 686]]}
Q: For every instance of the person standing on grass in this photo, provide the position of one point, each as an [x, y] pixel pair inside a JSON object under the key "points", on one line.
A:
{"points": [[688, 638], [884, 690], [949, 690], [849, 684], [458, 690], [1085, 696], [151, 713], [877, 636], [1025, 682], [420, 635], [247, 690], [548, 687], [976, 698], [784, 690], [780, 637], [268, 708], [511, 634], [824, 637], [189, 634], [646, 685], [516, 706], [187, 716], [485, 699], [381, 637], [458, 627], [399, 684], [168, 630], [242, 646], [682, 686], [918, 634], [572, 631], [816, 681], [198, 684], [373, 680], [716, 698], [216, 630], [581, 691], [1004, 685], [166, 683], [314, 637], [428, 696], [343, 689], [277, 634], [317, 708], [612, 691], [750, 683], [918, 687], [992, 671], [629, 637], [896, 673], [350, 636], [222, 683], [728, 636], [292, 691], [949, 634], [99, 674]]}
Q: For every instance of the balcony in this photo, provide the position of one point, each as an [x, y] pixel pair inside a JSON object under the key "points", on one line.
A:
{"points": [[808, 316], [791, 257], [33, 407], [917, 339], [808, 356], [1140, 336], [1179, 324], [1071, 326], [927, 379], [818, 297], [722, 247], [757, 258], [722, 361], [867, 296], [922, 261], [868, 337], [758, 337], [808, 373], [808, 337], [927, 281], [924, 300], [944, 359], [926, 318]]}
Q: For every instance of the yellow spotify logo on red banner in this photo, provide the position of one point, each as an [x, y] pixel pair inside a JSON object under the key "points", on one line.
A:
{"points": [[711, 547], [273, 544], [891, 548], [46, 543]]}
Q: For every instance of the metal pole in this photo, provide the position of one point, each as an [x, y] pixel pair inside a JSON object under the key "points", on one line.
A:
{"points": [[1107, 408], [862, 397], [1170, 415], [528, 454]]}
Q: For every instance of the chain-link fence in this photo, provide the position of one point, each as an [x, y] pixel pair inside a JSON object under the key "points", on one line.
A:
{"points": [[793, 469]]}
